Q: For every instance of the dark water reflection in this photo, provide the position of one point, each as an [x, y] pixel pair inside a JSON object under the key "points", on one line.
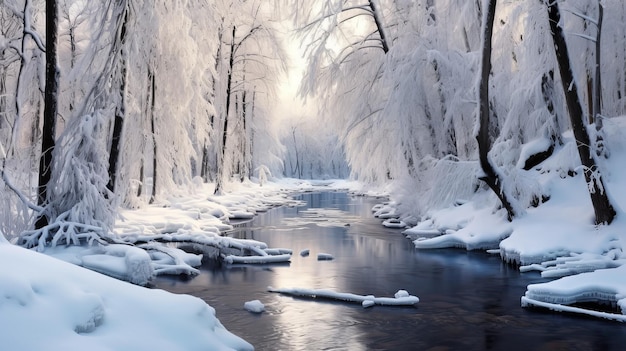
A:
{"points": [[468, 300]]}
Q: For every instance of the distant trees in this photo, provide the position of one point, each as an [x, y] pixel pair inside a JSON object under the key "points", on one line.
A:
{"points": [[254, 58], [313, 151]]}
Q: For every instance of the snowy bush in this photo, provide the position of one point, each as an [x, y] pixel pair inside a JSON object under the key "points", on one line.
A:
{"points": [[80, 207]]}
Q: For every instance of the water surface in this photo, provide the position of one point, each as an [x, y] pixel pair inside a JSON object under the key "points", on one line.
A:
{"points": [[468, 300]]}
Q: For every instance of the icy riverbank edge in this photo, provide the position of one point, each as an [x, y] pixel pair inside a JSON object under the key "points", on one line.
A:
{"points": [[558, 238]]}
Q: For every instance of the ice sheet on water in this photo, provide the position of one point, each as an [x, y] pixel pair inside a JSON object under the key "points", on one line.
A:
{"points": [[322, 217], [603, 286]]}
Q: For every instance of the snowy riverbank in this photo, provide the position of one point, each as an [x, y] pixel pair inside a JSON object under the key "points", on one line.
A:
{"points": [[66, 306], [557, 238]]}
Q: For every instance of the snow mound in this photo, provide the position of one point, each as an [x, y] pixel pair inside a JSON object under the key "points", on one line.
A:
{"points": [[465, 226], [254, 306], [401, 293], [50, 304]]}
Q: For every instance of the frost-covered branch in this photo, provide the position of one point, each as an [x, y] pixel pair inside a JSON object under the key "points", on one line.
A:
{"points": [[28, 29], [19, 194]]}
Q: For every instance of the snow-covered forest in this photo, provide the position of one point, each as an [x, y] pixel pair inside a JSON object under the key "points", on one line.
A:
{"points": [[390, 86], [108, 106]]}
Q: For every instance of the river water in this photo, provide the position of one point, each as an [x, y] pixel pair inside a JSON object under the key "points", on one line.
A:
{"points": [[468, 300]]}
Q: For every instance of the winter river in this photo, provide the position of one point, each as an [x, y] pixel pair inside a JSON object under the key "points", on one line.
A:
{"points": [[468, 300]]}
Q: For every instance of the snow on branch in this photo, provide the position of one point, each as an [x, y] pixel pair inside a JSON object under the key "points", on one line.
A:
{"points": [[61, 231], [19, 194]]}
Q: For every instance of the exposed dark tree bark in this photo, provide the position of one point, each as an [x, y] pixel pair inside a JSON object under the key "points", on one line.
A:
{"points": [[50, 109], [490, 177], [604, 211], [243, 175], [379, 26], [120, 109], [154, 139], [597, 87], [219, 184]]}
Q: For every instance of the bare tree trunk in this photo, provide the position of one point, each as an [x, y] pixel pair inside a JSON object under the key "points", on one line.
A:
{"points": [[154, 139], [604, 211], [231, 61], [50, 109], [251, 144], [120, 109], [204, 164], [490, 177], [244, 140], [597, 87]]}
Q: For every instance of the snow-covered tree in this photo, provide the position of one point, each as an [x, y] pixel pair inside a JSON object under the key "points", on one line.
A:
{"points": [[604, 211]]}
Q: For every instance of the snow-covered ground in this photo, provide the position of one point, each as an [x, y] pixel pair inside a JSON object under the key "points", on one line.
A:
{"points": [[67, 306], [558, 237], [49, 302]]}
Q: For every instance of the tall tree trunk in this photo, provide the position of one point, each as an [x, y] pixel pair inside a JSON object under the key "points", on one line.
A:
{"points": [[50, 109], [604, 211], [243, 175], [3, 95], [597, 87], [251, 144], [231, 61], [204, 164], [490, 177], [120, 109], [154, 138]]}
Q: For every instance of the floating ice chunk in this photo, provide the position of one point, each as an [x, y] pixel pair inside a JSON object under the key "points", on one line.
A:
{"points": [[364, 300], [254, 306], [324, 257], [394, 223], [304, 252]]}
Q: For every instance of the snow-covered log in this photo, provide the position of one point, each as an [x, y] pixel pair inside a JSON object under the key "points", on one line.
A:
{"points": [[257, 259], [401, 298]]}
